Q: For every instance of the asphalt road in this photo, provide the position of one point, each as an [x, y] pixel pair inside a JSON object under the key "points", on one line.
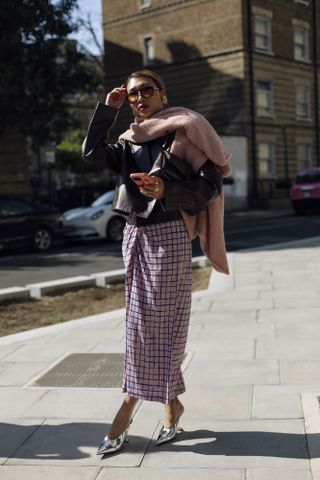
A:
{"points": [[243, 230]]}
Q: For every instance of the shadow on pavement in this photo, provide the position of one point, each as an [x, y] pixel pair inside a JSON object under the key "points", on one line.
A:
{"points": [[65, 441]]}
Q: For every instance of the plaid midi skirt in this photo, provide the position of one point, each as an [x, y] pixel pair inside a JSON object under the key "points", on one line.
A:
{"points": [[157, 259]]}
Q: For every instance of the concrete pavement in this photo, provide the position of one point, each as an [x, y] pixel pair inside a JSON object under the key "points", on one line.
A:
{"points": [[253, 355]]}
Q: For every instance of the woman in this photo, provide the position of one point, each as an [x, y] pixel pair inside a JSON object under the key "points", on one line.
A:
{"points": [[163, 216]]}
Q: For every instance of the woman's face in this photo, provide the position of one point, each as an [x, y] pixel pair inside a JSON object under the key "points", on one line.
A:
{"points": [[148, 100]]}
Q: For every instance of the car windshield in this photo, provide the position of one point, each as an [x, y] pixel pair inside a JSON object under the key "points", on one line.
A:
{"points": [[105, 199], [308, 177]]}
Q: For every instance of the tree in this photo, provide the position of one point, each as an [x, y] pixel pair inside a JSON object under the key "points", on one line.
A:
{"points": [[40, 68]]}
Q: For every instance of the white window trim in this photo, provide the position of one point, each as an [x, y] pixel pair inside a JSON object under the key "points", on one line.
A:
{"points": [[303, 2], [145, 60], [269, 23], [272, 174], [299, 117], [265, 113], [262, 12], [309, 159], [146, 5], [302, 59]]}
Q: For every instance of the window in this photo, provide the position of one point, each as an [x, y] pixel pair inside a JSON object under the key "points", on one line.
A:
{"points": [[12, 207], [301, 44], [303, 103], [148, 50], [145, 3], [266, 156], [264, 98], [263, 33], [304, 155]]}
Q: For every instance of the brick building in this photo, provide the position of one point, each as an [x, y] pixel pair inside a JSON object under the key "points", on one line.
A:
{"points": [[14, 175], [249, 66]]}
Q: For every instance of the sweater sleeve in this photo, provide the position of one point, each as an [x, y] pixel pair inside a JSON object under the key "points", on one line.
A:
{"points": [[95, 148]]}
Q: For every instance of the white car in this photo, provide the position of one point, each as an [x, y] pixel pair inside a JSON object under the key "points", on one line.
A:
{"points": [[96, 221]]}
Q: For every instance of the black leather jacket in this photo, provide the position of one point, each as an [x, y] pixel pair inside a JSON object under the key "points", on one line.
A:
{"points": [[119, 157]]}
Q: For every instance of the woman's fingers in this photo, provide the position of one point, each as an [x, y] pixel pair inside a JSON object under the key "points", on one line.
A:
{"points": [[116, 97], [154, 191]]}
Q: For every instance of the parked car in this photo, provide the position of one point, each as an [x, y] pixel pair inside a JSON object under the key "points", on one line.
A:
{"points": [[305, 191], [96, 221], [26, 223]]}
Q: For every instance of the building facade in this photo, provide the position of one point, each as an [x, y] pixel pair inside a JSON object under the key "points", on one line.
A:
{"points": [[249, 66], [14, 175]]}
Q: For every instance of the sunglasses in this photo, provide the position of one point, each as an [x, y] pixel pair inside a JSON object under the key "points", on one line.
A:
{"points": [[145, 92]]}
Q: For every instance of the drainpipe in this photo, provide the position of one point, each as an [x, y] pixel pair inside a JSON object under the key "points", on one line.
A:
{"points": [[255, 194], [316, 78]]}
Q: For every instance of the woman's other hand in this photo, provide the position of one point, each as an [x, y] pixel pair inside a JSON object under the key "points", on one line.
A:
{"points": [[154, 191], [116, 97]]}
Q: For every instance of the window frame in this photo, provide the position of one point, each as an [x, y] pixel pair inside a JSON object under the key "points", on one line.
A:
{"points": [[268, 21], [264, 112], [300, 116], [144, 3], [301, 163], [296, 45], [271, 160], [147, 60]]}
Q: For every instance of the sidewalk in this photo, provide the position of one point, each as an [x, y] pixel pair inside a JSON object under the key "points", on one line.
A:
{"points": [[253, 353]]}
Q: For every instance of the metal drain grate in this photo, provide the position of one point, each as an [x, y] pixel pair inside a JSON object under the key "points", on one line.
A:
{"points": [[85, 370]]}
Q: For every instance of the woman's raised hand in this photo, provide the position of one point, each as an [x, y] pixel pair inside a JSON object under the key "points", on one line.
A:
{"points": [[116, 97]]}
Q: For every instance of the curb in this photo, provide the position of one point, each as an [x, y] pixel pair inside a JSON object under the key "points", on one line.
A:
{"points": [[100, 280]]}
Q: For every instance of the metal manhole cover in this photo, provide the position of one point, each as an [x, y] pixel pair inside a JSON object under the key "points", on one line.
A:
{"points": [[85, 370]]}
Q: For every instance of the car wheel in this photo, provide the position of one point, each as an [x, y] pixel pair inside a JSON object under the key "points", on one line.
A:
{"points": [[42, 239], [115, 229]]}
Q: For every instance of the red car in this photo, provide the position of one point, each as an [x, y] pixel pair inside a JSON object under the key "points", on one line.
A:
{"points": [[305, 191]]}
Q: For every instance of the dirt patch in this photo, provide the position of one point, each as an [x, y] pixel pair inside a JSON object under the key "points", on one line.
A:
{"points": [[19, 316]]}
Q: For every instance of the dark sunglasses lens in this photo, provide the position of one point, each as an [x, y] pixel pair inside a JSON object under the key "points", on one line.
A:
{"points": [[147, 92]]}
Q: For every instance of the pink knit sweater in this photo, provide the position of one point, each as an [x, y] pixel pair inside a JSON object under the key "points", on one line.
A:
{"points": [[196, 141]]}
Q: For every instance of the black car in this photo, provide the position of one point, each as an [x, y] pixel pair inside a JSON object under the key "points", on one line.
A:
{"points": [[25, 223]]}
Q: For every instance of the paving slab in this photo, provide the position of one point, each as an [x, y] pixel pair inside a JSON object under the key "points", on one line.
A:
{"points": [[232, 372], [64, 443], [287, 315], [243, 305], [280, 401], [6, 350], [237, 444], [299, 372], [14, 432], [48, 473], [17, 374], [223, 349], [303, 328], [288, 348], [75, 403], [15, 401], [219, 403], [201, 306], [236, 329], [164, 473], [278, 474], [222, 316], [44, 352]]}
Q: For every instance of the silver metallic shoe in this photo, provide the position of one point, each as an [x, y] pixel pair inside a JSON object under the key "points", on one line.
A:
{"points": [[114, 445], [167, 434]]}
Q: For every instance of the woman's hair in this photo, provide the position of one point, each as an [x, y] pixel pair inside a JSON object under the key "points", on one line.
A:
{"points": [[149, 74]]}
